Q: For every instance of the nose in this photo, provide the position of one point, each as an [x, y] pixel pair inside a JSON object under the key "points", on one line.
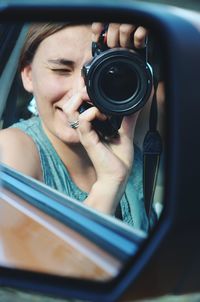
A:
{"points": [[79, 86]]}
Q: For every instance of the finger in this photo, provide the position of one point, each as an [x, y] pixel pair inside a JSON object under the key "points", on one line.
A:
{"points": [[90, 115], [113, 35], [129, 122], [97, 28], [88, 135], [125, 33], [73, 103], [70, 108], [128, 125], [140, 36]]}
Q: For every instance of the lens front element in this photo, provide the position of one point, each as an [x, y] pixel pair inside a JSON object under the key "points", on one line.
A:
{"points": [[119, 81]]}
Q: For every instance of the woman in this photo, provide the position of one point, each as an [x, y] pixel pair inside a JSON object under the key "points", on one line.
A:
{"points": [[60, 147]]}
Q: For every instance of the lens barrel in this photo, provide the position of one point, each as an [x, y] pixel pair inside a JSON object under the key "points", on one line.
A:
{"points": [[118, 81]]}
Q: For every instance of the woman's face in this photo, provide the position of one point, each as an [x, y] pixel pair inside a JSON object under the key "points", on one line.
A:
{"points": [[54, 76]]}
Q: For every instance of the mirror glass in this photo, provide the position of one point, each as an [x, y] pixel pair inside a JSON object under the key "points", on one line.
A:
{"points": [[77, 102]]}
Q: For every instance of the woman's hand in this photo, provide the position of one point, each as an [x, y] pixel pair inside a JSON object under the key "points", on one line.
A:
{"points": [[112, 159], [121, 35]]}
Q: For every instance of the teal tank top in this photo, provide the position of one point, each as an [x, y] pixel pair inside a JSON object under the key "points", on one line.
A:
{"points": [[56, 176]]}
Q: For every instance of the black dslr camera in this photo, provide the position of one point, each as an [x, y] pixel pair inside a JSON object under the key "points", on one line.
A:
{"points": [[118, 82]]}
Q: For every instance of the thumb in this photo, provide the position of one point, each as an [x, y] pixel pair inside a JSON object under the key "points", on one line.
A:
{"points": [[129, 124]]}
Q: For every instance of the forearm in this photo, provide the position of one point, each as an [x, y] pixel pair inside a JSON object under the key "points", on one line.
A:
{"points": [[104, 197]]}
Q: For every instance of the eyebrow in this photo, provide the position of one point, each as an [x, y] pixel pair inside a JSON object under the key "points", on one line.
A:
{"points": [[61, 62]]}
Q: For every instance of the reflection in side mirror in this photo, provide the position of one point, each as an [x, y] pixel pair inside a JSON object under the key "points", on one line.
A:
{"points": [[97, 170], [93, 155]]}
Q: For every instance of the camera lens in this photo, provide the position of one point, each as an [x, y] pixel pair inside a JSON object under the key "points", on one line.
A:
{"points": [[118, 82]]}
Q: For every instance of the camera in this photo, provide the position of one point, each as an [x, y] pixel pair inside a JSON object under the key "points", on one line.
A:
{"points": [[118, 82]]}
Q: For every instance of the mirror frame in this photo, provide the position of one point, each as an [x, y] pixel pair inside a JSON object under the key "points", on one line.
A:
{"points": [[179, 225]]}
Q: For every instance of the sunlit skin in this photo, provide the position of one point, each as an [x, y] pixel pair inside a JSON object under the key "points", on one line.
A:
{"points": [[54, 77]]}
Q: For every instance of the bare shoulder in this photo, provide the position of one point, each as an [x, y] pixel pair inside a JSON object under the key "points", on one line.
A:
{"points": [[18, 150]]}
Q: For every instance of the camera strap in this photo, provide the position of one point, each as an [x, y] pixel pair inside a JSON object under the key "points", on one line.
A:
{"points": [[152, 149]]}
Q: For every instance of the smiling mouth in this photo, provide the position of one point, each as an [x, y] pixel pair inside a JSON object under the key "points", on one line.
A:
{"points": [[62, 115], [58, 108]]}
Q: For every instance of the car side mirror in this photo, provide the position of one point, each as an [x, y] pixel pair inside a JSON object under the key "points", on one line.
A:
{"points": [[169, 254]]}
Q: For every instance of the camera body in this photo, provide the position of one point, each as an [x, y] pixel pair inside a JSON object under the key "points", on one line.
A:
{"points": [[119, 82]]}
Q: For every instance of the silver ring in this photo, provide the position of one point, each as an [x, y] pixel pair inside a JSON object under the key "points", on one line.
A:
{"points": [[74, 125]]}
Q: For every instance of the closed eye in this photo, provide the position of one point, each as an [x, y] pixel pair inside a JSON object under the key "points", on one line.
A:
{"points": [[62, 66], [62, 71]]}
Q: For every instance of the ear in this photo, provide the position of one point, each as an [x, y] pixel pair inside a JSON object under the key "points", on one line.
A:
{"points": [[26, 75]]}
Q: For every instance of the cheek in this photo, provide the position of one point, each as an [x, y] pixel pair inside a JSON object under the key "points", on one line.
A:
{"points": [[49, 88]]}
